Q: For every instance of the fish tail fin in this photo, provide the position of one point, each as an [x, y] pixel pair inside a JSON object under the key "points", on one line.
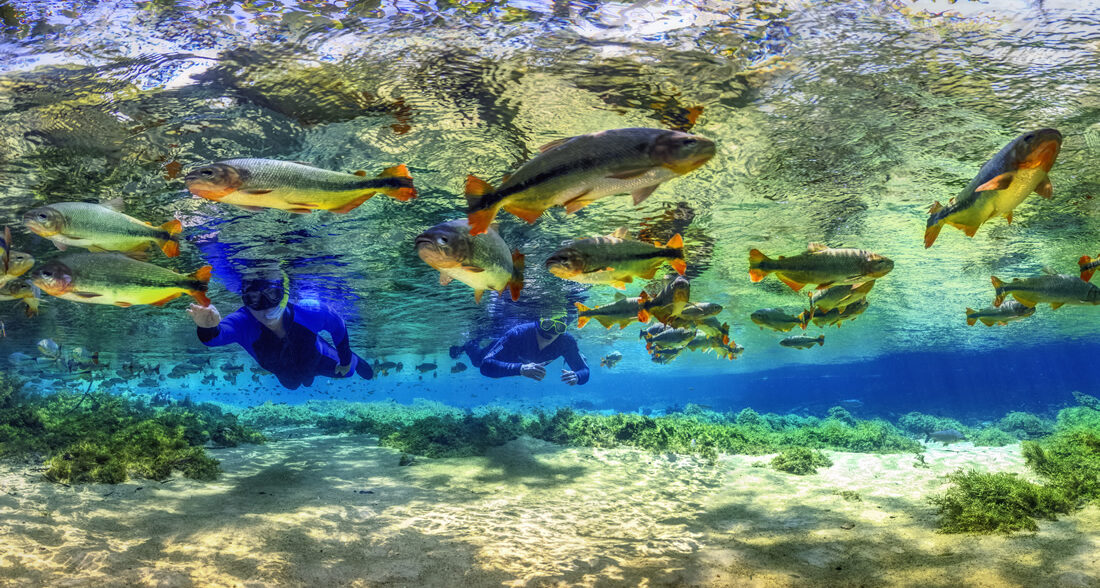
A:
{"points": [[755, 259], [970, 320], [476, 191], [679, 265], [581, 320], [171, 245], [934, 225], [201, 277], [676, 242], [1086, 273], [643, 315], [516, 283], [998, 289], [406, 191]]}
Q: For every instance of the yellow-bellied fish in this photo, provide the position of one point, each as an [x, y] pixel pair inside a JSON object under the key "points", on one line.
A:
{"points": [[1056, 289], [609, 360], [255, 184], [113, 278], [820, 265], [21, 290], [1008, 311], [1088, 266], [775, 319], [12, 263], [98, 228], [622, 312], [697, 311], [671, 300], [671, 338], [576, 171], [709, 326], [482, 262], [838, 296], [1016, 171], [615, 259], [834, 316], [802, 341]]}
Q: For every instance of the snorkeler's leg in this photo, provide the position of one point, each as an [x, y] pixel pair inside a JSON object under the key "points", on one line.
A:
{"points": [[330, 360]]}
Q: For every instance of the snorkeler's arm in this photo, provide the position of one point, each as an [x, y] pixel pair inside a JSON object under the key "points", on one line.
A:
{"points": [[495, 368], [576, 362], [320, 317], [224, 333]]}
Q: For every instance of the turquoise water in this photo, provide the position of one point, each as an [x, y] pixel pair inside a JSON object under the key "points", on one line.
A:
{"points": [[838, 122]]}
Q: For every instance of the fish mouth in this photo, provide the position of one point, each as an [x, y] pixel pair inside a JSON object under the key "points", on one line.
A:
{"points": [[1043, 155]]}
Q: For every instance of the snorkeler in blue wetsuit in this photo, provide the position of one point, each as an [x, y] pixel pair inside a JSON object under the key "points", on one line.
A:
{"points": [[525, 350], [280, 336]]}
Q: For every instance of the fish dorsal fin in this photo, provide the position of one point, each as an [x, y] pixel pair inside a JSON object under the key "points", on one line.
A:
{"points": [[621, 233], [116, 204], [553, 144], [816, 247], [1046, 269]]}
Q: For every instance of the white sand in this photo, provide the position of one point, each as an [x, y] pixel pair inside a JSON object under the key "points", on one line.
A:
{"points": [[527, 514]]}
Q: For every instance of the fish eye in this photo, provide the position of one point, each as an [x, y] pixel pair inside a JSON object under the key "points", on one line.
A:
{"points": [[441, 240], [47, 274], [41, 216], [207, 172], [691, 141], [1029, 136]]}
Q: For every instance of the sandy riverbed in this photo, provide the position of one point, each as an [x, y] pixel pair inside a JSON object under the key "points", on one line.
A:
{"points": [[336, 511]]}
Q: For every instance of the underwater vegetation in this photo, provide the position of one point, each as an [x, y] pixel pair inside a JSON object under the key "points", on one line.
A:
{"points": [[800, 461], [99, 437], [1012, 428], [1068, 461]]}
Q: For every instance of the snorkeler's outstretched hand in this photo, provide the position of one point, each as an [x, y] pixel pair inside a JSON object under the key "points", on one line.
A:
{"points": [[569, 377], [207, 317], [535, 371]]}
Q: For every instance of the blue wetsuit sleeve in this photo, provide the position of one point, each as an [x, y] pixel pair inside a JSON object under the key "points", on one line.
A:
{"points": [[576, 363], [320, 317], [224, 333], [495, 368]]}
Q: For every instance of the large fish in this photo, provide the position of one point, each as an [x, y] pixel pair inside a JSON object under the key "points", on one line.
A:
{"points": [[671, 338], [482, 261], [820, 265], [98, 228], [834, 316], [615, 259], [1088, 266], [1008, 311], [802, 341], [113, 278], [775, 319], [1056, 289], [724, 348], [1001, 184], [670, 301], [21, 290], [255, 184], [838, 296], [12, 263], [622, 312], [576, 171]]}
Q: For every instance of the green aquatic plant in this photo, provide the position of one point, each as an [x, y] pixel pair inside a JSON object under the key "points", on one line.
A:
{"points": [[448, 436], [750, 418], [800, 461], [1024, 425], [1077, 417], [1069, 460], [20, 425], [992, 437], [997, 503], [841, 414], [1087, 400], [270, 414], [920, 425]]}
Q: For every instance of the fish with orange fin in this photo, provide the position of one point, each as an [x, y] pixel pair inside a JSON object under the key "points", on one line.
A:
{"points": [[1055, 289], [1088, 266], [1016, 171], [834, 316], [615, 259], [670, 300], [1008, 311], [98, 228], [256, 184], [482, 262], [576, 171], [622, 312], [22, 290], [820, 265], [838, 297], [113, 278], [12, 263]]}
